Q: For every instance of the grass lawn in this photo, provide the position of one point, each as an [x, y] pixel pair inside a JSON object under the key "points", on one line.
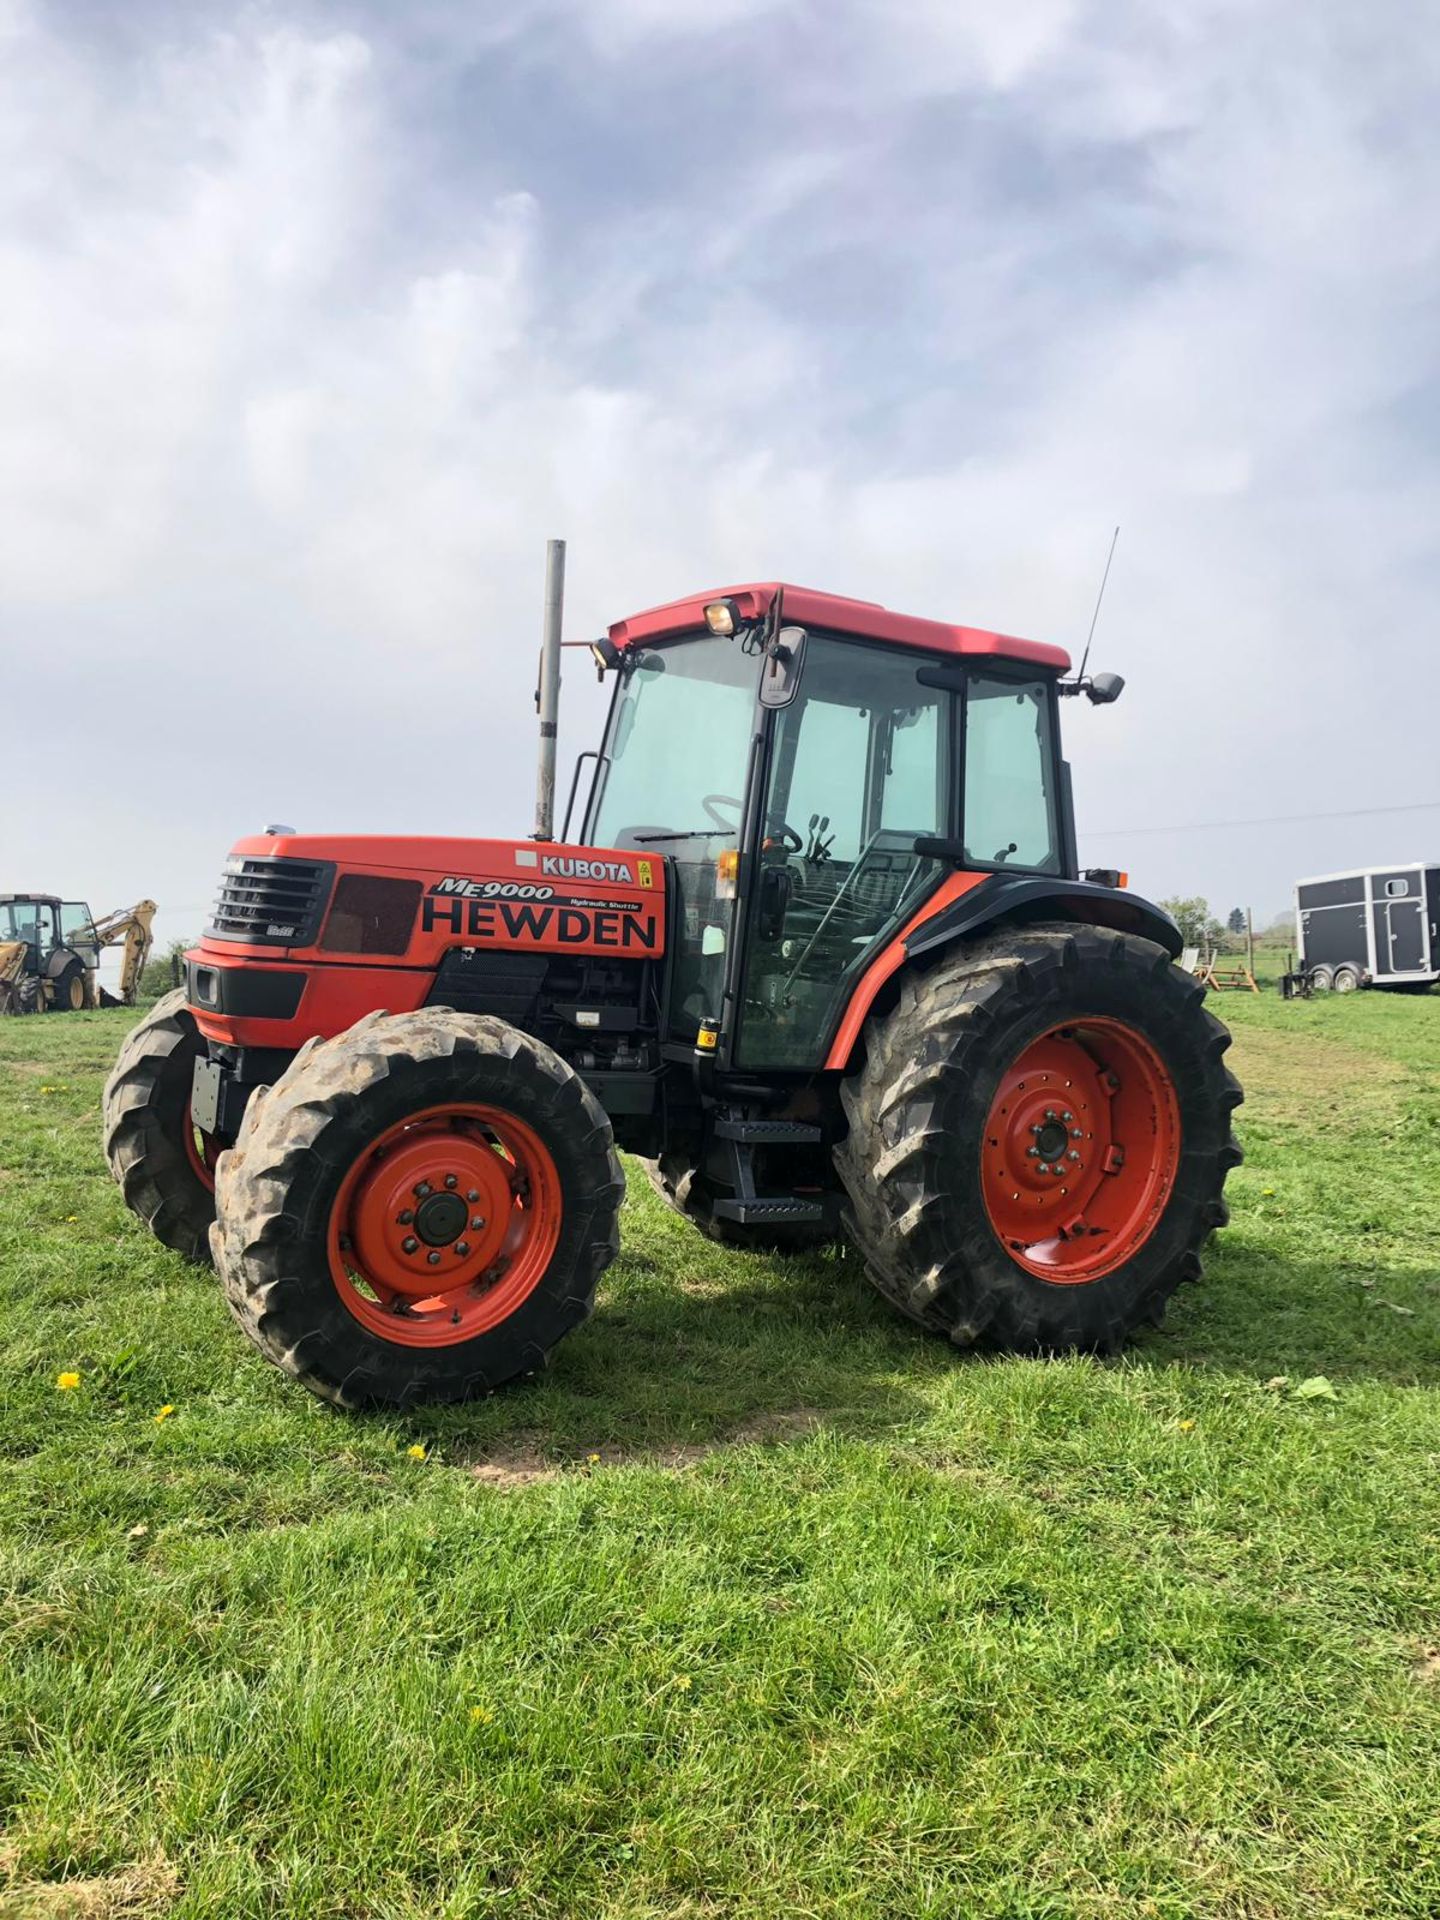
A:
{"points": [[760, 1603]]}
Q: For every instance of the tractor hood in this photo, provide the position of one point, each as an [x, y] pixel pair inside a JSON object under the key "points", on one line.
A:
{"points": [[392, 898]]}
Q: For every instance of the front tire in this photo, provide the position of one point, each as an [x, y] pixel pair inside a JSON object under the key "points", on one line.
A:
{"points": [[419, 1209], [1039, 1140], [164, 1168]]}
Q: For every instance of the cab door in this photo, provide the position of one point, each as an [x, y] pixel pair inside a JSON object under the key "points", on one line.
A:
{"points": [[857, 771]]}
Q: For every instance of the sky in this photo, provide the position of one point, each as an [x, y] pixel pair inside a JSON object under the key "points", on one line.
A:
{"points": [[317, 319]]}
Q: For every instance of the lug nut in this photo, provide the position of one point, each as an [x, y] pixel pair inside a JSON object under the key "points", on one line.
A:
{"points": [[409, 1243], [1034, 1152], [473, 1195], [433, 1258], [1044, 1168], [1067, 1118], [404, 1219], [462, 1247], [422, 1189], [477, 1223], [1050, 1114], [1077, 1133], [451, 1181], [1072, 1155]]}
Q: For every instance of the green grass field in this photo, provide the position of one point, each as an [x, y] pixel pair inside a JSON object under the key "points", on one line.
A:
{"points": [[760, 1603]]}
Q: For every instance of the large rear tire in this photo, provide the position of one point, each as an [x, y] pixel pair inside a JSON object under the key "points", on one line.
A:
{"points": [[69, 993], [1039, 1140], [165, 1169], [419, 1209]]}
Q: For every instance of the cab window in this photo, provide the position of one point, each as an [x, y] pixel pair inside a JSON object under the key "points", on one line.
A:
{"points": [[1009, 805]]}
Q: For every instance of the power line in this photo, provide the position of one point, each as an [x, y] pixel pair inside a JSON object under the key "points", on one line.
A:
{"points": [[1269, 820]]}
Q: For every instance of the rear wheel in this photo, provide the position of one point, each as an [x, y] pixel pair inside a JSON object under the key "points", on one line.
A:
{"points": [[1039, 1140], [164, 1166], [68, 992], [1347, 978], [419, 1209]]}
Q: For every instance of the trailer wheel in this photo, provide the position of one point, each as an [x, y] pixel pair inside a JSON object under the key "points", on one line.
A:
{"points": [[1347, 978], [419, 1209], [165, 1169], [1322, 979], [1039, 1140]]}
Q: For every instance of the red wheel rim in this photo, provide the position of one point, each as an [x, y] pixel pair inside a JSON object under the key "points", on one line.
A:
{"points": [[445, 1225], [1081, 1150], [202, 1150]]}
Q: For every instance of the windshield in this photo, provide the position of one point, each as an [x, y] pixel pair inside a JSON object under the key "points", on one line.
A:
{"points": [[672, 779]]}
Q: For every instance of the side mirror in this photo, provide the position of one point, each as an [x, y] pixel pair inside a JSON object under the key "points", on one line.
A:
{"points": [[780, 677], [1106, 688]]}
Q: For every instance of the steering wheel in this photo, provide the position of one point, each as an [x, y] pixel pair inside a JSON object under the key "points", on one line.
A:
{"points": [[714, 800], [789, 838]]}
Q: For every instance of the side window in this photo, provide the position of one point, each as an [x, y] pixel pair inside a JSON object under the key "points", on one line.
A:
{"points": [[827, 774], [1009, 798], [911, 797]]}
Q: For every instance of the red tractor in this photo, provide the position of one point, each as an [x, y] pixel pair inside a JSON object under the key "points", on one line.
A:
{"points": [[820, 954]]}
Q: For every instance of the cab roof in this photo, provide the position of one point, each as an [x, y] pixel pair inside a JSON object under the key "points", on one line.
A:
{"points": [[867, 619]]}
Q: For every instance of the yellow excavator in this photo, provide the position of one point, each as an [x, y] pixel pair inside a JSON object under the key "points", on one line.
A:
{"points": [[50, 953]]}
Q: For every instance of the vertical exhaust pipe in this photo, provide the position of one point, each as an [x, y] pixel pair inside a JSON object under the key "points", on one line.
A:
{"points": [[547, 699]]}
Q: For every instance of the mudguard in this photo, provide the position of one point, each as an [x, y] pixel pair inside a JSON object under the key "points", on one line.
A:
{"points": [[1021, 897]]}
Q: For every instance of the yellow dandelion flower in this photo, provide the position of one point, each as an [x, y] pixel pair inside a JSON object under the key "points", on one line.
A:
{"points": [[71, 1218], [682, 1681], [1187, 1426], [481, 1716], [164, 1413], [66, 1381], [592, 1459], [417, 1452]]}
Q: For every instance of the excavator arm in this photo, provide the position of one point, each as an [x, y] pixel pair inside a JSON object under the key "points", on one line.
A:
{"points": [[130, 929]]}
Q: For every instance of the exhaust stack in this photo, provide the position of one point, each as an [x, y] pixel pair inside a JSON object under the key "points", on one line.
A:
{"points": [[547, 698]]}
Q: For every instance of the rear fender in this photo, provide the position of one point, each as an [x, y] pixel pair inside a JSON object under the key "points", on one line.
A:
{"points": [[970, 904]]}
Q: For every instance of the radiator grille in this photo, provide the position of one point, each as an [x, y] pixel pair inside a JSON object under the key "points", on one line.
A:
{"points": [[273, 901]]}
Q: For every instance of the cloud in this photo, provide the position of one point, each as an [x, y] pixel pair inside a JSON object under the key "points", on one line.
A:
{"points": [[319, 319]]}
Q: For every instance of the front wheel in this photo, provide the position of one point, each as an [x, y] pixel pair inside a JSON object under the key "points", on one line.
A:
{"points": [[164, 1166], [419, 1209], [1039, 1140]]}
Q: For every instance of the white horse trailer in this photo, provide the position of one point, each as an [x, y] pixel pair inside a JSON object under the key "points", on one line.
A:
{"points": [[1375, 927]]}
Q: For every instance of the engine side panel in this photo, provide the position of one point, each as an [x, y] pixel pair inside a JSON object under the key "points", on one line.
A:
{"points": [[398, 913]]}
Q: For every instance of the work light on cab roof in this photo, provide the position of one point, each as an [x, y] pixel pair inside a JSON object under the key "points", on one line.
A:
{"points": [[812, 943]]}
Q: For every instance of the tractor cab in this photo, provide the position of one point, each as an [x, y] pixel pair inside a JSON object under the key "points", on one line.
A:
{"points": [[808, 787]]}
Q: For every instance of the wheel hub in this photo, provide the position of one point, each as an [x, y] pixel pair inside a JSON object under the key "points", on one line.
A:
{"points": [[1080, 1150], [445, 1225], [440, 1219]]}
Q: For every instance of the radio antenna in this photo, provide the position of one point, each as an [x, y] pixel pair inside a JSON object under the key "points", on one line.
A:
{"points": [[1084, 658]]}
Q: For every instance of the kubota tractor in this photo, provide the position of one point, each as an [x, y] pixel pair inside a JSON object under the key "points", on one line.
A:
{"points": [[820, 953]]}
